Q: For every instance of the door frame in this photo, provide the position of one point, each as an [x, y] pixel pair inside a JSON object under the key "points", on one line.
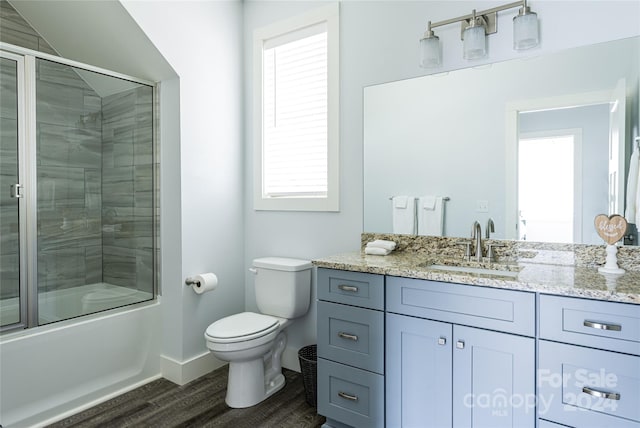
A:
{"points": [[512, 131]]}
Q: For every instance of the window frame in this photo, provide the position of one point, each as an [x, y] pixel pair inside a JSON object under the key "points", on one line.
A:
{"points": [[330, 15]]}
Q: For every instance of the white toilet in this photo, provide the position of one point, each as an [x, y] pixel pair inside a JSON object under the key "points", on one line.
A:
{"points": [[253, 343]]}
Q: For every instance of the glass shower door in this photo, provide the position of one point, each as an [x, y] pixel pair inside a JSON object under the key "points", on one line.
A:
{"points": [[12, 295]]}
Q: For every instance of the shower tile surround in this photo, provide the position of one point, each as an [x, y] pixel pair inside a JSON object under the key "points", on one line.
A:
{"points": [[95, 176], [561, 269], [15, 30], [127, 193], [95, 171], [69, 129]]}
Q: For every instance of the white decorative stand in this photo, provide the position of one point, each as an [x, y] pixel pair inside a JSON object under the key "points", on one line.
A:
{"points": [[611, 264]]}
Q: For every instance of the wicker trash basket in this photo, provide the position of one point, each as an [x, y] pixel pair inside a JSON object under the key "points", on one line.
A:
{"points": [[308, 357]]}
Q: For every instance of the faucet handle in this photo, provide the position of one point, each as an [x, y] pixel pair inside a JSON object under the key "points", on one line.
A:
{"points": [[490, 253], [467, 252]]}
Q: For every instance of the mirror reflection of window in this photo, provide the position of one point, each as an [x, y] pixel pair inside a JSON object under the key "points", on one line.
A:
{"points": [[547, 183]]}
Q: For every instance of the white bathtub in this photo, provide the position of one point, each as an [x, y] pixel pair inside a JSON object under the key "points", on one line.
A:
{"points": [[69, 303], [54, 370]]}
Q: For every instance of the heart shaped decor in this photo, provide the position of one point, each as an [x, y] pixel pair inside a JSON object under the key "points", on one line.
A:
{"points": [[610, 228]]}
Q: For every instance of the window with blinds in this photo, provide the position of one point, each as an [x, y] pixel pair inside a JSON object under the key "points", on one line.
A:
{"points": [[296, 145]]}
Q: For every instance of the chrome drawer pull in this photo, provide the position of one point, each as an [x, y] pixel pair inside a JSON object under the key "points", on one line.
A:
{"points": [[348, 336], [602, 326], [601, 394], [347, 396], [349, 288]]}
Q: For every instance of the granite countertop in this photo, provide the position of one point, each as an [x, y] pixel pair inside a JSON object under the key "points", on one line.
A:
{"points": [[564, 280]]}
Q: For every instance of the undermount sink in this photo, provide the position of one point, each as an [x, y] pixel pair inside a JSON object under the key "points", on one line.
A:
{"points": [[470, 269]]}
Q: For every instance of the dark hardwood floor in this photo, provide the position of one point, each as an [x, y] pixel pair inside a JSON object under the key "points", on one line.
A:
{"points": [[199, 404]]}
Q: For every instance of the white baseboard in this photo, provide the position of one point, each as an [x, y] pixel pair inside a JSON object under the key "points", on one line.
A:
{"points": [[186, 371]]}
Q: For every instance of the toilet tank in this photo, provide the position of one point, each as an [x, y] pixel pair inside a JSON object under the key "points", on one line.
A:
{"points": [[283, 286]]}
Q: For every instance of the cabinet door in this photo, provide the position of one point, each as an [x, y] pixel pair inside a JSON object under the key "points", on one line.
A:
{"points": [[493, 379], [418, 372]]}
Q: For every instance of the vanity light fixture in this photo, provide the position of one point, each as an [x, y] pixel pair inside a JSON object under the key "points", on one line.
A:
{"points": [[430, 52], [475, 28], [474, 38], [525, 28]]}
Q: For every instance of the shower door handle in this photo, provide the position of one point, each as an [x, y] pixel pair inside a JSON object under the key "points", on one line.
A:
{"points": [[16, 191]]}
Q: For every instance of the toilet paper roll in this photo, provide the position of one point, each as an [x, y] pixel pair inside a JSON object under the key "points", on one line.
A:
{"points": [[205, 282]]}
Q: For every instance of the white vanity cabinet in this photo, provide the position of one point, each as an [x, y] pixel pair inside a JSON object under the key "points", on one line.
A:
{"points": [[589, 363], [350, 348], [441, 372]]}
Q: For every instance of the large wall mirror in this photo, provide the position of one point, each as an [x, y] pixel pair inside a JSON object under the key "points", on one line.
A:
{"points": [[539, 145]]}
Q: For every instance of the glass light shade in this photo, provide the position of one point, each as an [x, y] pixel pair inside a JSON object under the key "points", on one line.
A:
{"points": [[430, 53], [525, 31], [474, 42]]}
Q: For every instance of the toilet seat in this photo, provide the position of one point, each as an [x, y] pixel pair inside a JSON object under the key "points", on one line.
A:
{"points": [[241, 327]]}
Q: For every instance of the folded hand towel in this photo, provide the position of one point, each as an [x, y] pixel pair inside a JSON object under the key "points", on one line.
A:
{"points": [[376, 251], [428, 202], [382, 243], [430, 216], [400, 201], [404, 215]]}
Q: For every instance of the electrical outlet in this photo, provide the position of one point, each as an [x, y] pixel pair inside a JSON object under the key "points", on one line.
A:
{"points": [[482, 206]]}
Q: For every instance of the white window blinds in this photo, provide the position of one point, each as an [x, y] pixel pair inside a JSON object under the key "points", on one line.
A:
{"points": [[295, 114]]}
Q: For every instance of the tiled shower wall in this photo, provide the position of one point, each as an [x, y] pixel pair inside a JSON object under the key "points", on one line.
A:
{"points": [[69, 163], [9, 268], [95, 169], [15, 30], [127, 185]]}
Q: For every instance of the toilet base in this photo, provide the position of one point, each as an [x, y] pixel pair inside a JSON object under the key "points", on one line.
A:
{"points": [[251, 382]]}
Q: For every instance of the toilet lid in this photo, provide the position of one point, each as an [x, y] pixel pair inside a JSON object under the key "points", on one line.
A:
{"points": [[243, 326]]}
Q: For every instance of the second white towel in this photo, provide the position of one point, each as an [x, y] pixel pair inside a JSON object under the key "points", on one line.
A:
{"points": [[376, 251], [430, 215]]}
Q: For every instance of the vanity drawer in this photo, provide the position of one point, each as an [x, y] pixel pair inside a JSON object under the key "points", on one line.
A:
{"points": [[353, 336], [495, 309], [606, 325], [585, 387], [352, 288], [352, 396]]}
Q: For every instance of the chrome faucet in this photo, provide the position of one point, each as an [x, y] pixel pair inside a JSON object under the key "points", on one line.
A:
{"points": [[476, 233], [490, 228]]}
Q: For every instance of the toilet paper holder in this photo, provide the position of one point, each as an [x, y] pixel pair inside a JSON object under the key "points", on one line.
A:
{"points": [[191, 281]]}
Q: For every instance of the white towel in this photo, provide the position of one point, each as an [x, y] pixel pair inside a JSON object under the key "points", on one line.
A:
{"points": [[400, 201], [404, 215], [428, 202], [382, 243], [631, 213], [430, 216], [376, 251]]}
